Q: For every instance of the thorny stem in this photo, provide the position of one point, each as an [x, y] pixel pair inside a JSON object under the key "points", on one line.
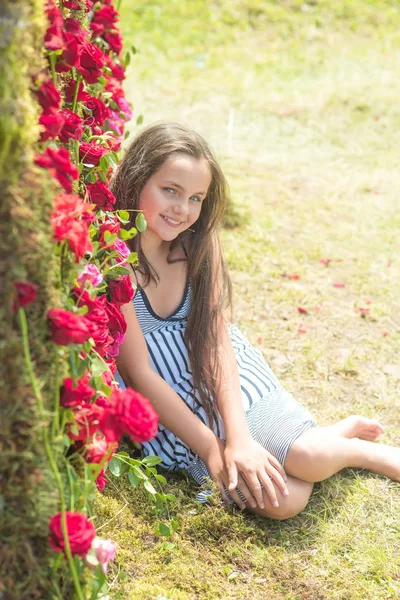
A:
{"points": [[74, 101], [36, 389]]}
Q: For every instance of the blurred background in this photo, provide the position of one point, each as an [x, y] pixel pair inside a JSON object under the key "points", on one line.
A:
{"points": [[300, 102]]}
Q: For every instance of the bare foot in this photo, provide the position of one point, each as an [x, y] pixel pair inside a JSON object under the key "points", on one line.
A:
{"points": [[356, 426]]}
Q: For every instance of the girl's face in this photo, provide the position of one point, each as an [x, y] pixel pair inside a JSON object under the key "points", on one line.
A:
{"points": [[171, 199]]}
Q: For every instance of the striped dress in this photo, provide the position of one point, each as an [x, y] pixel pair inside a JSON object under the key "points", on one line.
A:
{"points": [[274, 418]]}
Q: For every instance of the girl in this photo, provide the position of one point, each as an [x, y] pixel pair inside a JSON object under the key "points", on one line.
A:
{"points": [[223, 413]]}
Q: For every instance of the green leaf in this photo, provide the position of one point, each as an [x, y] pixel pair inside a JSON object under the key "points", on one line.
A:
{"points": [[140, 222], [127, 134], [109, 237], [170, 497], [138, 473], [91, 177], [151, 460], [123, 216], [164, 529], [98, 367], [149, 487], [124, 234], [133, 480], [102, 80], [160, 478], [132, 258], [115, 467], [134, 50], [174, 524], [139, 120], [167, 546], [121, 271], [111, 160], [104, 163], [102, 176]]}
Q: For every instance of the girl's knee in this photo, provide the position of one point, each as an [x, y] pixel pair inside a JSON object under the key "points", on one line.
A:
{"points": [[289, 506]]}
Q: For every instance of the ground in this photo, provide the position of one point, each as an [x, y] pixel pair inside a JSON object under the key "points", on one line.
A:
{"points": [[300, 102]]}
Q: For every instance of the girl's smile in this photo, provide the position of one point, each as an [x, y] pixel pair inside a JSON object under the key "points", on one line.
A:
{"points": [[172, 198]]}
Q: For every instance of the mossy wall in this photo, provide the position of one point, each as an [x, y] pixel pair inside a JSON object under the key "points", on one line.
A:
{"points": [[28, 491]]}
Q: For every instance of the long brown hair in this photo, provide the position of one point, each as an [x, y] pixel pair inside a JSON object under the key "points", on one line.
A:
{"points": [[208, 277]]}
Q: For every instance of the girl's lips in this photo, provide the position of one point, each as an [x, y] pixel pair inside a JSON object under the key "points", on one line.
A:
{"points": [[171, 222]]}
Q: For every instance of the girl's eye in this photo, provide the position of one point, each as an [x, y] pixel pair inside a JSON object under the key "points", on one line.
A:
{"points": [[196, 198], [169, 190]]}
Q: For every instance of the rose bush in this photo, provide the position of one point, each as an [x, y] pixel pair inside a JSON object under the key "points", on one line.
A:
{"points": [[82, 120]]}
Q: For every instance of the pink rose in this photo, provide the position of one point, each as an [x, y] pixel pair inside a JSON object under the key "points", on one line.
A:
{"points": [[90, 273]]}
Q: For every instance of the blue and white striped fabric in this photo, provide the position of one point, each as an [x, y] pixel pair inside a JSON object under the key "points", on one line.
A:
{"points": [[274, 418]]}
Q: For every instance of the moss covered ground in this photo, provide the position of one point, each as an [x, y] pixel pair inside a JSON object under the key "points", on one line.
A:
{"points": [[300, 102]]}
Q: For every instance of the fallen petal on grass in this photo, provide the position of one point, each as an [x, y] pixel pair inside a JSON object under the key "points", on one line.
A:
{"points": [[293, 276], [302, 310], [325, 261], [338, 284], [302, 329]]}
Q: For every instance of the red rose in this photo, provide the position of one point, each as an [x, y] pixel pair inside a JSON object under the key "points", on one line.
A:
{"points": [[48, 96], [90, 154], [72, 4], [53, 39], [73, 126], [97, 29], [121, 290], [67, 207], [70, 55], [76, 394], [100, 195], [101, 480], [116, 320], [91, 61], [113, 226], [117, 70], [26, 293], [97, 449], [69, 91], [60, 166], [67, 225], [114, 40], [81, 533], [73, 26], [114, 87], [96, 306], [108, 376], [99, 112], [86, 423], [52, 123], [130, 413], [106, 15], [69, 328]]}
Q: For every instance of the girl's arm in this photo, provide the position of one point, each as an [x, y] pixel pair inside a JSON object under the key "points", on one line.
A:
{"points": [[137, 372], [242, 454]]}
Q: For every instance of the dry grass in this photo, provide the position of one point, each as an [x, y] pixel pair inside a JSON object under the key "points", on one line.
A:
{"points": [[301, 105]]}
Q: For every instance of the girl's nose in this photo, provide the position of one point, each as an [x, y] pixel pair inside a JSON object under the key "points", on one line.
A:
{"points": [[181, 208]]}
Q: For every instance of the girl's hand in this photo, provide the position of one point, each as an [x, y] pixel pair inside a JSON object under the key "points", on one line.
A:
{"points": [[215, 462], [253, 464]]}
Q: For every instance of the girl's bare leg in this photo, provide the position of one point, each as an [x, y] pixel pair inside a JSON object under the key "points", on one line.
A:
{"points": [[322, 451], [289, 506]]}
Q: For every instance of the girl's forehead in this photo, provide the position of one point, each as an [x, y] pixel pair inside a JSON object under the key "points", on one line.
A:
{"points": [[182, 169]]}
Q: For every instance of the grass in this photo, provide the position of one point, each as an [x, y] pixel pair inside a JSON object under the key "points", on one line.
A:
{"points": [[300, 102]]}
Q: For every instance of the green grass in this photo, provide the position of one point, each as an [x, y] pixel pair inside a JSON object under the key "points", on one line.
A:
{"points": [[300, 102]]}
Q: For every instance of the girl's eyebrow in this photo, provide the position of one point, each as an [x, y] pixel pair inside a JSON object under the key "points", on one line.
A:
{"points": [[181, 188]]}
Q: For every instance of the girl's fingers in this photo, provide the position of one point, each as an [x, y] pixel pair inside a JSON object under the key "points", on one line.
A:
{"points": [[277, 477], [253, 483], [269, 489], [275, 463], [233, 475], [242, 486], [223, 494]]}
